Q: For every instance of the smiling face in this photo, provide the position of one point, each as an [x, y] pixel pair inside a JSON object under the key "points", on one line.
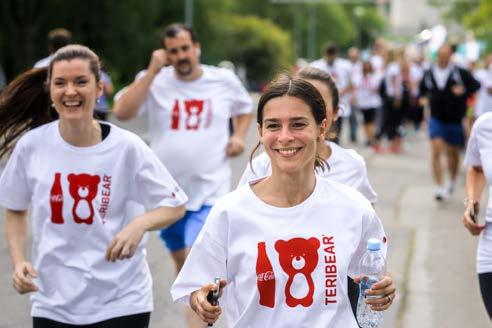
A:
{"points": [[183, 54], [290, 134], [73, 89]]}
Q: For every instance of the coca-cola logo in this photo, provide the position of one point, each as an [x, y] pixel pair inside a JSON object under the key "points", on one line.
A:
{"points": [[266, 276], [58, 198]]}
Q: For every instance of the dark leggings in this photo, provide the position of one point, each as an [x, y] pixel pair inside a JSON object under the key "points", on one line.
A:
{"points": [[485, 281], [140, 320]]}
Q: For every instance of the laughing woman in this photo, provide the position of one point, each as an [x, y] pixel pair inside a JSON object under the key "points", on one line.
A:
{"points": [[285, 244], [76, 176]]}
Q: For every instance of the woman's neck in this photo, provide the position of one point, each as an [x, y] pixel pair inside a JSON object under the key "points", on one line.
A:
{"points": [[324, 150], [286, 189], [80, 133]]}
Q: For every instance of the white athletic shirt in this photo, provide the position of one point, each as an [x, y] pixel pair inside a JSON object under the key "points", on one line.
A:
{"points": [[393, 71], [341, 71], [479, 152], [189, 129], [367, 90], [312, 248], [345, 167], [76, 283], [484, 98]]}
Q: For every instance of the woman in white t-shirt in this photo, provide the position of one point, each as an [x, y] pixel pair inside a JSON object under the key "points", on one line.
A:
{"points": [[79, 178], [285, 244], [478, 159]]}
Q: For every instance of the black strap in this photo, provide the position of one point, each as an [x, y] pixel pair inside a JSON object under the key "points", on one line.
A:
{"points": [[105, 128]]}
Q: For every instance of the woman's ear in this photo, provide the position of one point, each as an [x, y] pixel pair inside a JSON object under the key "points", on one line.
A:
{"points": [[100, 88], [323, 129]]}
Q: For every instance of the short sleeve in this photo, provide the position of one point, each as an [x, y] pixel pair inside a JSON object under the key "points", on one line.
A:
{"points": [[14, 190], [371, 228], [472, 154], [241, 100], [154, 186], [207, 259]]}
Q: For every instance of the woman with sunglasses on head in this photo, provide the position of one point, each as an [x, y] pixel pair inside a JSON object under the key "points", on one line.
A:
{"points": [[285, 244], [76, 176]]}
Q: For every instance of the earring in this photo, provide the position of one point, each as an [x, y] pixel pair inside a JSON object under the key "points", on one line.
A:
{"points": [[98, 101], [53, 105]]}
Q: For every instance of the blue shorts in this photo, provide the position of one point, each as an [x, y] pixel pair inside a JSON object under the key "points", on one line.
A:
{"points": [[453, 134], [183, 233]]}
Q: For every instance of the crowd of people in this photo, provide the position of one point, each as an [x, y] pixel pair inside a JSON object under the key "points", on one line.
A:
{"points": [[92, 190]]}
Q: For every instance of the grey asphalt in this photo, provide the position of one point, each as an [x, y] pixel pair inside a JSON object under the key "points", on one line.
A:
{"points": [[431, 256]]}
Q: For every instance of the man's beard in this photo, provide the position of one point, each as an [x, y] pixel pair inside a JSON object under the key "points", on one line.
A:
{"points": [[184, 67]]}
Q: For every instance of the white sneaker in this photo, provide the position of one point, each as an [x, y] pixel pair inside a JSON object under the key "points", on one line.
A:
{"points": [[440, 193]]}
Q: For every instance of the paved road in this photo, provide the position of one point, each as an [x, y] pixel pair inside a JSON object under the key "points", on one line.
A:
{"points": [[431, 256]]}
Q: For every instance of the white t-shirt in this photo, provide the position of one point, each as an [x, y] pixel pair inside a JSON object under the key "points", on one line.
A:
{"points": [[367, 91], [312, 248], [479, 152], [45, 62], [393, 72], [189, 129], [341, 71], [76, 283], [484, 98], [345, 167]]}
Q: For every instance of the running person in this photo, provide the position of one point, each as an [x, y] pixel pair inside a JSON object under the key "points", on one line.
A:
{"points": [[77, 175], [478, 159], [344, 165], [189, 106], [263, 236]]}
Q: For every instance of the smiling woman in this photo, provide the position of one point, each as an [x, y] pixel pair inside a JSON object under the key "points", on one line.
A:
{"points": [[78, 176], [304, 233]]}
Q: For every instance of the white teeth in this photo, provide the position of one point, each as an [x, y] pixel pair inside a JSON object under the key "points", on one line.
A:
{"points": [[288, 151], [72, 103]]}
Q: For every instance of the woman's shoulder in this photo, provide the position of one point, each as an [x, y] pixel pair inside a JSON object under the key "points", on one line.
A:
{"points": [[349, 156], [483, 121], [39, 135]]}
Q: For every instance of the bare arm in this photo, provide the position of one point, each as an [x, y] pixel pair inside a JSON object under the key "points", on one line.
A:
{"points": [[127, 106], [236, 141], [125, 243], [16, 233], [475, 183]]}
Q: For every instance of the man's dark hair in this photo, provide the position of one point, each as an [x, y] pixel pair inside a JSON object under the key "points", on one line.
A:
{"points": [[331, 49], [58, 38], [172, 31]]}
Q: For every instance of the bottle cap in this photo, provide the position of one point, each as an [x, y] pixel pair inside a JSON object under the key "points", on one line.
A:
{"points": [[373, 244]]}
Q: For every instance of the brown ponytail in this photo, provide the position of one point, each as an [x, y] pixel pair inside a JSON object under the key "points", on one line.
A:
{"points": [[24, 105]]}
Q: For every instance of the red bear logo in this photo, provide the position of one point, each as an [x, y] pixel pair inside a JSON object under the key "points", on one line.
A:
{"points": [[83, 189], [298, 258]]}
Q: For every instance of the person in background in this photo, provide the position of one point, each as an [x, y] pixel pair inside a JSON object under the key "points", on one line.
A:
{"points": [[189, 105], [73, 178], [446, 88], [340, 69], [57, 39]]}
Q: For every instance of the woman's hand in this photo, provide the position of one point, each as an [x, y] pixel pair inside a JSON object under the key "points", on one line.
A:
{"points": [[474, 228], [199, 303], [21, 279], [125, 243], [386, 291]]}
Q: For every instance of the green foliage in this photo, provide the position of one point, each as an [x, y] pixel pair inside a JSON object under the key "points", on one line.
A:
{"points": [[256, 43], [258, 33]]}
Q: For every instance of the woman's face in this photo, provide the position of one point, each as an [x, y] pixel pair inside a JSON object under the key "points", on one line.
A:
{"points": [[73, 89], [290, 134], [331, 114]]}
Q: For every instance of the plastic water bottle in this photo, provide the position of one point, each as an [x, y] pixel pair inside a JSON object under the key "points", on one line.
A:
{"points": [[372, 268]]}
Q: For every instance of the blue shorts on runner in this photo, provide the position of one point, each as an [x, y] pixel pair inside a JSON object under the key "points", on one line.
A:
{"points": [[452, 133], [183, 233]]}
